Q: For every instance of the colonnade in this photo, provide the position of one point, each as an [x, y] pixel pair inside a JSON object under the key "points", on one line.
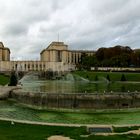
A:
{"points": [[35, 66]]}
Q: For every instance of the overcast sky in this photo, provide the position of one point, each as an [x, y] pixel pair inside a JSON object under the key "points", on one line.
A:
{"points": [[28, 26]]}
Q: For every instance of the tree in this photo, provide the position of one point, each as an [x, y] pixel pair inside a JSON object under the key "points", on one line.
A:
{"points": [[135, 58], [107, 77], [123, 78], [118, 56], [96, 78], [100, 54], [87, 62], [13, 79]]}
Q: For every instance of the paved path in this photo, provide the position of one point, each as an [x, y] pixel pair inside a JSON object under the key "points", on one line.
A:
{"points": [[65, 124], [137, 132], [58, 138]]}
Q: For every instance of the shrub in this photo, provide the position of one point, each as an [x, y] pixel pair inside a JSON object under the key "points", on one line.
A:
{"points": [[13, 79], [123, 78], [96, 78], [108, 78]]}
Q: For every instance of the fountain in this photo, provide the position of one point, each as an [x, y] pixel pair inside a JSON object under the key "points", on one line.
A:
{"points": [[72, 83], [29, 77], [74, 77], [103, 79], [72, 91], [69, 77]]}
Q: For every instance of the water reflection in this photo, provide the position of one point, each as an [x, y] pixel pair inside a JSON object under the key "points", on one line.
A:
{"points": [[76, 85]]}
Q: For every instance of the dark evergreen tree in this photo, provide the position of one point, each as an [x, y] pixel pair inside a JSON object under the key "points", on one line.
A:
{"points": [[96, 78], [13, 79], [123, 78], [107, 77]]}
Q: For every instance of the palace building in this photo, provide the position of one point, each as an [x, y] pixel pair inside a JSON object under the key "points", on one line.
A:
{"points": [[56, 57], [58, 52], [4, 53]]}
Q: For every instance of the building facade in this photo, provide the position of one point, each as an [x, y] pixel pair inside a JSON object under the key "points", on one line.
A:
{"points": [[56, 57], [58, 52], [4, 53]]}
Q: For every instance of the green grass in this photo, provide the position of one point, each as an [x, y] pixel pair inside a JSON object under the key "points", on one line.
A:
{"points": [[125, 129], [36, 132], [92, 118], [20, 131], [114, 76], [4, 79]]}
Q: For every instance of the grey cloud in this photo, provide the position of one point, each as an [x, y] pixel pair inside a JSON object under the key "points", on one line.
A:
{"points": [[27, 27], [15, 30]]}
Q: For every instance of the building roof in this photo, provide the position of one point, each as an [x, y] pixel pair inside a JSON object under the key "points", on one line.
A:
{"points": [[1, 45], [56, 46], [4, 48]]}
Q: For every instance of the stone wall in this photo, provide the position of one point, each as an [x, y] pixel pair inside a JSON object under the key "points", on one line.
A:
{"points": [[79, 101], [5, 91]]}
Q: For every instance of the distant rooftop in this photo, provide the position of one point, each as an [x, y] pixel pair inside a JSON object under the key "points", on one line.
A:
{"points": [[57, 43]]}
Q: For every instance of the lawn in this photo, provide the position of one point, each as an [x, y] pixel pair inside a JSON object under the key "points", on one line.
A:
{"points": [[4, 79], [36, 132], [125, 129], [112, 117], [114, 76], [20, 131]]}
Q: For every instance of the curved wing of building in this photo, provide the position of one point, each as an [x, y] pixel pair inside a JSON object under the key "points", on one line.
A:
{"points": [[56, 57]]}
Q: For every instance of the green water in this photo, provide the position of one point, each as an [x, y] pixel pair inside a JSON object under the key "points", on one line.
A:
{"points": [[77, 84], [58, 86], [14, 110]]}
